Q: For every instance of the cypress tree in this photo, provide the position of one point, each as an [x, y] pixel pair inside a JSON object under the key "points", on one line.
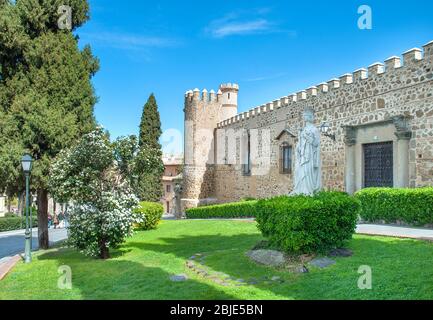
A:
{"points": [[150, 126], [149, 167]]}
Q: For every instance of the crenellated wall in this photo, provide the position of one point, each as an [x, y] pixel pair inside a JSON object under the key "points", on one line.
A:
{"points": [[390, 101]]}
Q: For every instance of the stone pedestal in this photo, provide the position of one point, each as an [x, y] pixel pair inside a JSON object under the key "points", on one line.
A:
{"points": [[403, 134], [350, 141], [402, 179]]}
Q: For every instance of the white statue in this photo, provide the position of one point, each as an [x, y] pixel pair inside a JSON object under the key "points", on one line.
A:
{"points": [[308, 173]]}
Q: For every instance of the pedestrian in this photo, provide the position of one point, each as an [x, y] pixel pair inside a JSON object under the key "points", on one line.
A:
{"points": [[61, 220], [56, 221]]}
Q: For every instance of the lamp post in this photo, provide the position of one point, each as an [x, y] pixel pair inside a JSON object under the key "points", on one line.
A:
{"points": [[26, 163], [325, 130]]}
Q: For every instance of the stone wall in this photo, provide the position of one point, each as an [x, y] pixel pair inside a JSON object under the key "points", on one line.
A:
{"points": [[386, 102]]}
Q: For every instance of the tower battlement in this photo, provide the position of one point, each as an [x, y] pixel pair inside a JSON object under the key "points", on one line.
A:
{"points": [[229, 86], [222, 104]]}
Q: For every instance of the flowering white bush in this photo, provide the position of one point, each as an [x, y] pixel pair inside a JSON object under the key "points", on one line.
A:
{"points": [[96, 228], [87, 175]]}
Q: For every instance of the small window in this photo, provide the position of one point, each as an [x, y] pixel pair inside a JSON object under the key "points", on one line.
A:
{"points": [[168, 188], [285, 159], [229, 95]]}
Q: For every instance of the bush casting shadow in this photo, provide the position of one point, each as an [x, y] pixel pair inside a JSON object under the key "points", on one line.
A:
{"points": [[400, 267]]}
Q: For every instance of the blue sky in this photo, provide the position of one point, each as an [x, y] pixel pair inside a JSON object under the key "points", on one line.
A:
{"points": [[270, 48]]}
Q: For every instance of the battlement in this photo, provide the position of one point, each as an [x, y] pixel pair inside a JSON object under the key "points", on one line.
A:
{"points": [[210, 96], [376, 72], [204, 96], [229, 86]]}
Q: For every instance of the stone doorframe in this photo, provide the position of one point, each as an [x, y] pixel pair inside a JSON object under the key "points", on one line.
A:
{"points": [[395, 129]]}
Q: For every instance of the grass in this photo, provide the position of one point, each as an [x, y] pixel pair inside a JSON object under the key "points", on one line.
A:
{"points": [[141, 268]]}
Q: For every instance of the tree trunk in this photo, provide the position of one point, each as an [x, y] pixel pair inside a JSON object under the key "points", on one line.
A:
{"points": [[21, 206], [104, 251], [9, 202], [43, 218]]}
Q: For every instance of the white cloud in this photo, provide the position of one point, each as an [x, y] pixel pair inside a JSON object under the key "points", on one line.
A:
{"points": [[244, 23], [127, 41], [241, 28]]}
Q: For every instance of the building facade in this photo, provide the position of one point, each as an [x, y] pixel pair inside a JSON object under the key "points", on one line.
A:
{"points": [[377, 126], [172, 171]]}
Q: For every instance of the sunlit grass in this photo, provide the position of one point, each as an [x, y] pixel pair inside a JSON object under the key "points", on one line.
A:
{"points": [[402, 269]]}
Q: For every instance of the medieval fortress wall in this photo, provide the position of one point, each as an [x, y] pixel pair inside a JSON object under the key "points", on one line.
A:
{"points": [[390, 102]]}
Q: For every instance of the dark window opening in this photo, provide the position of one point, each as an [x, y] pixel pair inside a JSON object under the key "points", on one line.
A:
{"points": [[246, 167], [286, 159]]}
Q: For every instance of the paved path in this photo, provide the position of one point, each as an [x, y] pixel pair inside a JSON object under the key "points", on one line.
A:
{"points": [[392, 231], [12, 242]]}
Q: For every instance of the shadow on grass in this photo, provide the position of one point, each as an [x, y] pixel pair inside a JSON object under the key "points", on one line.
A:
{"points": [[401, 267], [113, 279]]}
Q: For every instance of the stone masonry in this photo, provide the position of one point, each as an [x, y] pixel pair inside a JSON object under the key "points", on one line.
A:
{"points": [[390, 102]]}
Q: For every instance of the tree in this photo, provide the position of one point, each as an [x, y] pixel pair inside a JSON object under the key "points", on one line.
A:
{"points": [[148, 166], [125, 151], [89, 176], [150, 126], [142, 167], [46, 93], [147, 174]]}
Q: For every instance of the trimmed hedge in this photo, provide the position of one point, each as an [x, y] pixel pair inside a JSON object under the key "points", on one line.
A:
{"points": [[10, 215], [15, 223], [243, 209], [411, 206], [152, 213], [303, 224]]}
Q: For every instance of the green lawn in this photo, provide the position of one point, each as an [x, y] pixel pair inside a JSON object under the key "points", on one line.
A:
{"points": [[402, 269]]}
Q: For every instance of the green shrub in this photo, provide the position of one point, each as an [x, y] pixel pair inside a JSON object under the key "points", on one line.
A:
{"points": [[15, 223], [243, 209], [303, 224], [10, 215], [151, 213], [412, 206]]}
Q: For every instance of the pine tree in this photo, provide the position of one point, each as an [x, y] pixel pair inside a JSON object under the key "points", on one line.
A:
{"points": [[148, 165]]}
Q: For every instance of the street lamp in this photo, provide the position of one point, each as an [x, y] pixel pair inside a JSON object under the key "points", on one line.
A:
{"points": [[26, 162], [325, 128]]}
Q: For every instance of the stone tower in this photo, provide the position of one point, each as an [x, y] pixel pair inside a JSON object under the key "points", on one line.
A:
{"points": [[203, 111], [229, 100]]}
